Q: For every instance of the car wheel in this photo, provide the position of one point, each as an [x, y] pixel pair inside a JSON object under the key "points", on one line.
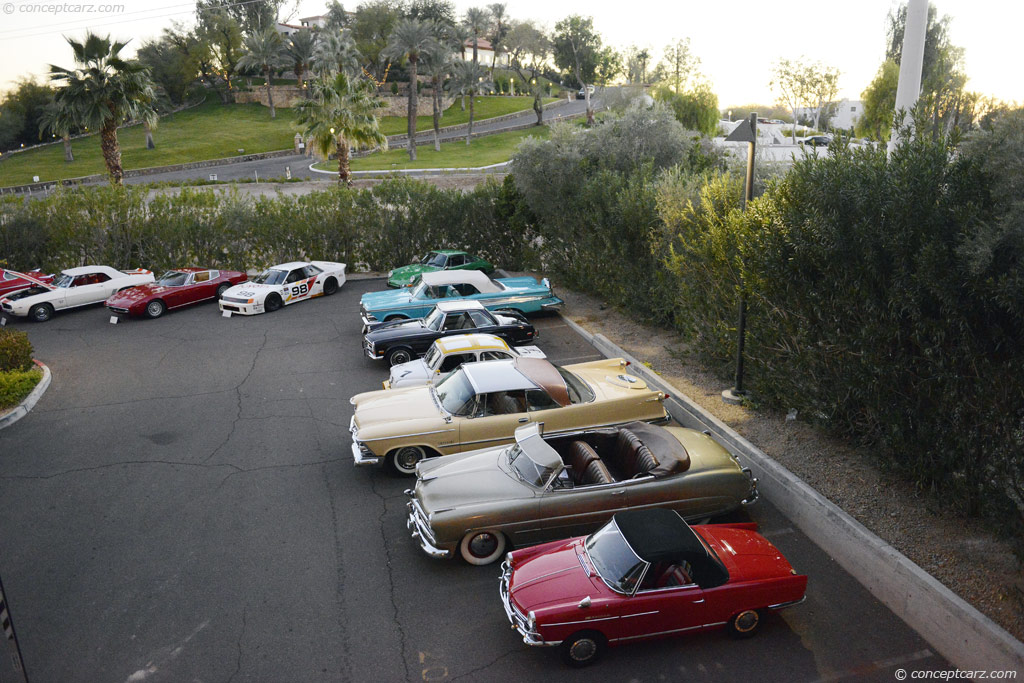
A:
{"points": [[482, 547], [223, 288], [155, 308], [392, 318], [272, 303], [403, 460], [330, 286], [399, 355], [745, 624], [40, 313], [583, 648]]}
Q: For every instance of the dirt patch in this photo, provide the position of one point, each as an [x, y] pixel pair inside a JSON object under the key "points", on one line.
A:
{"points": [[962, 554]]}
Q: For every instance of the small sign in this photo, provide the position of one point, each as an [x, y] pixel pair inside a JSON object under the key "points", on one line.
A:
{"points": [[213, 176], [225, 314], [3, 322], [113, 320]]}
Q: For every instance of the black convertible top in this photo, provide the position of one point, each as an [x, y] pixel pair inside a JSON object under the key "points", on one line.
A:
{"points": [[658, 535], [661, 535]]}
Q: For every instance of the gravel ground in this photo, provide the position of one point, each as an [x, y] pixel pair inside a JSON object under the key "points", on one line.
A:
{"points": [[961, 554]]}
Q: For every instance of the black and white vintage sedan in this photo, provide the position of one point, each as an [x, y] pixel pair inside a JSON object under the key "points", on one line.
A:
{"points": [[403, 340]]}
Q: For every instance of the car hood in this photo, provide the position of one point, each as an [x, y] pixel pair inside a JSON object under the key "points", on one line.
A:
{"points": [[396, 328], [555, 579], [139, 293], [411, 271], [373, 301], [33, 291], [467, 479], [747, 555], [413, 371], [395, 407]]}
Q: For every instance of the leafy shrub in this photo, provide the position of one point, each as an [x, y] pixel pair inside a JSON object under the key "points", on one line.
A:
{"points": [[15, 350], [16, 385]]}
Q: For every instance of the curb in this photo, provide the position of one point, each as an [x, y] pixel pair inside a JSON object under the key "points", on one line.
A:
{"points": [[21, 410], [957, 630], [415, 171]]}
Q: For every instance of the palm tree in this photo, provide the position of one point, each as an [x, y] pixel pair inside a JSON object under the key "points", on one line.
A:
{"points": [[469, 78], [300, 49], [437, 63], [103, 91], [335, 53], [264, 51], [338, 116], [409, 40], [499, 28], [458, 34], [56, 120], [476, 22]]}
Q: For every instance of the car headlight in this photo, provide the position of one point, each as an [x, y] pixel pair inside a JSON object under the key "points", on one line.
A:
{"points": [[531, 620], [390, 273]]}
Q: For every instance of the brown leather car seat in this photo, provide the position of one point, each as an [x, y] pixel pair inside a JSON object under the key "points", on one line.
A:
{"points": [[586, 465], [631, 456]]}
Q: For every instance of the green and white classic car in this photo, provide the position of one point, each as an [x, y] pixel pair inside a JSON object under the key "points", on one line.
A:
{"points": [[439, 259]]}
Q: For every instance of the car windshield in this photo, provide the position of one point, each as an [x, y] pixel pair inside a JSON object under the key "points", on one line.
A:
{"points": [[172, 278], [270, 277], [433, 358], [434, 320], [421, 291], [455, 393], [63, 280], [531, 472], [614, 560], [579, 391], [434, 259]]}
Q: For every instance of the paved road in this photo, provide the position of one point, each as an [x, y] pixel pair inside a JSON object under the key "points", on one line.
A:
{"points": [[299, 164], [182, 506]]}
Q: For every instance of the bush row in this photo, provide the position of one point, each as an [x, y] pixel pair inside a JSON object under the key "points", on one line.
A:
{"points": [[373, 229]]}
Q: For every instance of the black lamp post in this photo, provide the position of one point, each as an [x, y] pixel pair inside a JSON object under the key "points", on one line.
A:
{"points": [[746, 131]]}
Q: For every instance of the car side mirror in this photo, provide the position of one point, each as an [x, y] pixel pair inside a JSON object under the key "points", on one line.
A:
{"points": [[584, 603]]}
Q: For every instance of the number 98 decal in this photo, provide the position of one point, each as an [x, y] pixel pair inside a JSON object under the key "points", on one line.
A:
{"points": [[299, 290]]}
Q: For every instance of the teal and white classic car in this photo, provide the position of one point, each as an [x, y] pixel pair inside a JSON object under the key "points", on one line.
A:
{"points": [[522, 295]]}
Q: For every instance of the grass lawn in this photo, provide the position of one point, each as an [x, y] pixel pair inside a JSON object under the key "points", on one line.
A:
{"points": [[483, 151], [209, 131]]}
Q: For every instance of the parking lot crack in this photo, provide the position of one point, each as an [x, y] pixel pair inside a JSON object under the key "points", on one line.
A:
{"points": [[238, 400], [241, 637], [391, 579], [486, 666]]}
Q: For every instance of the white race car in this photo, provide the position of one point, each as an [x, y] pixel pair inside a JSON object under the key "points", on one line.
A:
{"points": [[72, 288], [284, 284]]}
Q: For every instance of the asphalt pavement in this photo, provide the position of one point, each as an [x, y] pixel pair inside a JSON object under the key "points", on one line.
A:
{"points": [[182, 505]]}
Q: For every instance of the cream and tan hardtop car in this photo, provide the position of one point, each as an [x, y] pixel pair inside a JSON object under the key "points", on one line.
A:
{"points": [[480, 405]]}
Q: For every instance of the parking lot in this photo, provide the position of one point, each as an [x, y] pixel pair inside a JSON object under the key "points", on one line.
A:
{"points": [[182, 506]]}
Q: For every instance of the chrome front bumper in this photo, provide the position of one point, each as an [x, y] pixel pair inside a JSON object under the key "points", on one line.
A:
{"points": [[519, 621], [361, 455], [754, 493], [420, 527]]}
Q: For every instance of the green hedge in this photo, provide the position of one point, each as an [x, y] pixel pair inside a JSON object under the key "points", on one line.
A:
{"points": [[15, 350], [16, 385], [374, 229]]}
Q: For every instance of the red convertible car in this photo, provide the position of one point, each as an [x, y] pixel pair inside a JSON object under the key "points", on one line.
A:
{"points": [[174, 289], [645, 574], [12, 280]]}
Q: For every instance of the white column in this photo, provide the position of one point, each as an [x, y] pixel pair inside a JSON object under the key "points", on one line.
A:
{"points": [[911, 62]]}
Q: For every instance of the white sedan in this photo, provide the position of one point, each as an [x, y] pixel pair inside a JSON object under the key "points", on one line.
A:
{"points": [[284, 284], [448, 353], [72, 288]]}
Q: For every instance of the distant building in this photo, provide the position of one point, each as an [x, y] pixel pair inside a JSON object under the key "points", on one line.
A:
{"points": [[844, 114], [484, 53], [287, 29], [318, 21]]}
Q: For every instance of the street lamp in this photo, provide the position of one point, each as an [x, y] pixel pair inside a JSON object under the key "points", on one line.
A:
{"points": [[746, 131]]}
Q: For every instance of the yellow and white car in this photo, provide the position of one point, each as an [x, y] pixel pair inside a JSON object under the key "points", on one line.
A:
{"points": [[480, 405], [448, 353]]}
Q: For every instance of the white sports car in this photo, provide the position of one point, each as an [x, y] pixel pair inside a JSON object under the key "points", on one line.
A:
{"points": [[72, 288], [284, 284]]}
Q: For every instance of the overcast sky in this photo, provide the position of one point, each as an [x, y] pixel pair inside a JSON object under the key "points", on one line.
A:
{"points": [[736, 41]]}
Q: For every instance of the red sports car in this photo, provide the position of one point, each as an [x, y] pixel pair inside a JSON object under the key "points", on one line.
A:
{"points": [[645, 574], [12, 280], [174, 289]]}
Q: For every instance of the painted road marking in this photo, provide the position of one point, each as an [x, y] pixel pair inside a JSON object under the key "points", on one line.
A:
{"points": [[876, 666]]}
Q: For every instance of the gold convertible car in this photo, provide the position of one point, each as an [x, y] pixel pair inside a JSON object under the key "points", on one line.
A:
{"points": [[480, 405]]}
